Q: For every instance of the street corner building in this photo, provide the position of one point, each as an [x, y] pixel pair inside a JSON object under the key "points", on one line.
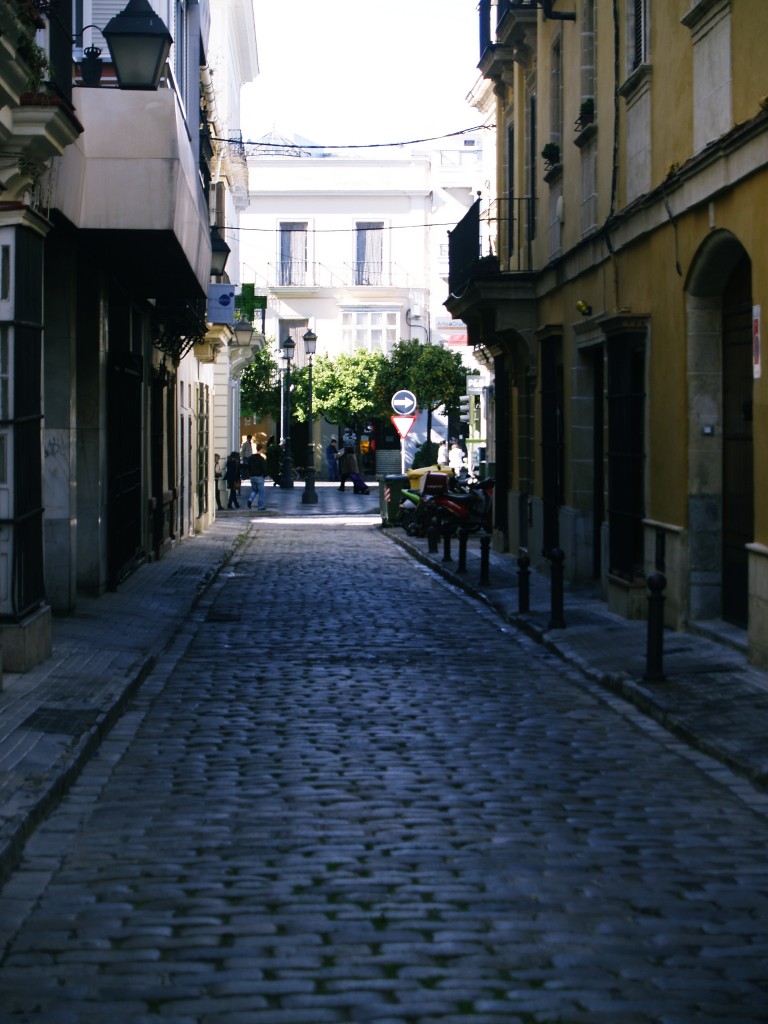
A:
{"points": [[118, 184], [614, 283]]}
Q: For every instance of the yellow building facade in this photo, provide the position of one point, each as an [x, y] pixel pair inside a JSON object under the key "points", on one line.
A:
{"points": [[615, 284]]}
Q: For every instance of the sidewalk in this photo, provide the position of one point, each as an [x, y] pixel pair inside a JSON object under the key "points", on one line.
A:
{"points": [[53, 718], [711, 697]]}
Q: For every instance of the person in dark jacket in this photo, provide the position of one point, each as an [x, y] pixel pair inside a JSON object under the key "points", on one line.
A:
{"points": [[232, 478]]}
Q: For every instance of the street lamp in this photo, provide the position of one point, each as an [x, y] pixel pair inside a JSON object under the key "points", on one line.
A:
{"points": [[286, 473], [309, 497], [138, 41], [219, 252], [243, 331]]}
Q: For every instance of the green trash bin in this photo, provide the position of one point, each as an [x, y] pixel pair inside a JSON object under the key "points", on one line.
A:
{"points": [[390, 492]]}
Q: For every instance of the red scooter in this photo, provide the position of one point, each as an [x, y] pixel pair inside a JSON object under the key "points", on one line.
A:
{"points": [[472, 509]]}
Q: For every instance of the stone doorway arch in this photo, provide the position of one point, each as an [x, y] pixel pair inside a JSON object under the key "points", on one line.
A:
{"points": [[718, 295]]}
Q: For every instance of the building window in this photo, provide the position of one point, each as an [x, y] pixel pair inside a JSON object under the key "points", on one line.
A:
{"points": [[369, 259], [510, 214], [180, 50], [5, 412], [588, 208], [637, 34], [588, 50], [5, 273], [711, 35], [375, 330], [556, 95], [530, 162], [292, 268], [555, 214]]}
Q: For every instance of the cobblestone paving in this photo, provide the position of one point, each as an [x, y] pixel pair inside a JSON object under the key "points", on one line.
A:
{"points": [[347, 793]]}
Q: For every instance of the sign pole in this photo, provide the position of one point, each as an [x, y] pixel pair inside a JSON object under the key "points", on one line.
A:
{"points": [[404, 405]]}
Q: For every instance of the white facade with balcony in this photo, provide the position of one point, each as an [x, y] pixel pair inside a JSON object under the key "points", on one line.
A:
{"points": [[355, 246]]}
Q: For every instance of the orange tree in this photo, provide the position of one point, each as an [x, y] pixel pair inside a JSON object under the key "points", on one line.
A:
{"points": [[434, 374], [260, 386], [345, 389]]}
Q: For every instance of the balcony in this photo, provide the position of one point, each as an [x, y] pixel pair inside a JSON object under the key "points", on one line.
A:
{"points": [[511, 40], [485, 232], [299, 274], [486, 291], [131, 186]]}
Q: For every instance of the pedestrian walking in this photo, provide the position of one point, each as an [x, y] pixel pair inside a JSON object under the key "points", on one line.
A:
{"points": [[349, 470], [246, 449], [257, 467], [442, 455], [332, 459], [218, 472], [232, 477], [456, 459]]}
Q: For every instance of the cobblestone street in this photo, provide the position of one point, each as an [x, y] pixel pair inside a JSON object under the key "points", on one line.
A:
{"points": [[349, 794]]}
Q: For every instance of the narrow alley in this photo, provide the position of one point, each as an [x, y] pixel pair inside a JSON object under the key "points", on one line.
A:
{"points": [[349, 794]]}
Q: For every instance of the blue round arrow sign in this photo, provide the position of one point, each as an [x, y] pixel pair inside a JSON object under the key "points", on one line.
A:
{"points": [[404, 402]]}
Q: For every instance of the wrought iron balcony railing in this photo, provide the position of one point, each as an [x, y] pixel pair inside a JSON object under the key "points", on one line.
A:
{"points": [[504, 228]]}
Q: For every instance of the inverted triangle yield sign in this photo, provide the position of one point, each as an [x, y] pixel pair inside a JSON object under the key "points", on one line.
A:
{"points": [[403, 424]]}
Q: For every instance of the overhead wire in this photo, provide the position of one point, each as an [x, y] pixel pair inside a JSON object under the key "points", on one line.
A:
{"points": [[287, 144]]}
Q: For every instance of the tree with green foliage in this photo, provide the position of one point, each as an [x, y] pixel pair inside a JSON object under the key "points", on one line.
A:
{"points": [[435, 375], [345, 389], [260, 386]]}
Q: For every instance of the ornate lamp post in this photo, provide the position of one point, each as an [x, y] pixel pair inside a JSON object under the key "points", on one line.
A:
{"points": [[309, 497], [286, 470]]}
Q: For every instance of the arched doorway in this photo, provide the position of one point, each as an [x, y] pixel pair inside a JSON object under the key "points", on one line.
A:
{"points": [[720, 448]]}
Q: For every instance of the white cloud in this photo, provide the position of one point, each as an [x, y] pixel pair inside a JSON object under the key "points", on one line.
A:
{"points": [[362, 71]]}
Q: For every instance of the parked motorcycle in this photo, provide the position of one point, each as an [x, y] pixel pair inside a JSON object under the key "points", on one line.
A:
{"points": [[471, 510], [457, 501]]}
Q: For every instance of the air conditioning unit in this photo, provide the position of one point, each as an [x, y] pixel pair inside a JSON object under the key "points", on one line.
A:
{"points": [[221, 303]]}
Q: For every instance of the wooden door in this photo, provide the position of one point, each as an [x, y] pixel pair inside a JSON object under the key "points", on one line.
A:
{"points": [[738, 484]]}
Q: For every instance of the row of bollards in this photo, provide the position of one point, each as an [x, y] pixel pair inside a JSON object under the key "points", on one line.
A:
{"points": [[433, 534], [656, 583]]}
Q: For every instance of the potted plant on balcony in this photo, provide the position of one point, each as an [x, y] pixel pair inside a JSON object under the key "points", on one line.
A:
{"points": [[36, 60], [551, 154], [586, 114]]}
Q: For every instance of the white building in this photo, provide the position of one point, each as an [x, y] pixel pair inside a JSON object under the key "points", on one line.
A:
{"points": [[355, 246]]}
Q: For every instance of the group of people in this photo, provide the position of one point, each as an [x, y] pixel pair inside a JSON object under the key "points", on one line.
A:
{"points": [[248, 464], [252, 466], [342, 466], [453, 458]]}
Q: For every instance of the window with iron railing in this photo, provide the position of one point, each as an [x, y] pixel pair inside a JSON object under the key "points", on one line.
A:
{"points": [[369, 251], [292, 269]]}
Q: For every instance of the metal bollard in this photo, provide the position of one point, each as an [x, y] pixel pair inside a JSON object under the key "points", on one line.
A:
{"points": [[463, 538], [556, 619], [485, 557], [655, 648], [447, 530], [523, 584], [432, 535]]}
